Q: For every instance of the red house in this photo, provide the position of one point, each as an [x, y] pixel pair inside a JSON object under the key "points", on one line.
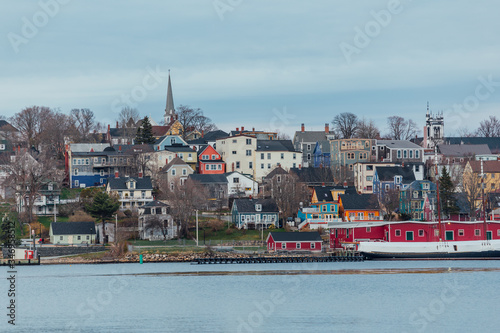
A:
{"points": [[294, 241], [210, 161], [347, 234]]}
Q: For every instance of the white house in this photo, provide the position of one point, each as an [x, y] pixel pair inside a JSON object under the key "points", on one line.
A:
{"points": [[240, 184]]}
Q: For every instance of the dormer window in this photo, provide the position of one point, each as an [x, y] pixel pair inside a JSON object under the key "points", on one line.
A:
{"points": [[258, 207], [131, 184]]}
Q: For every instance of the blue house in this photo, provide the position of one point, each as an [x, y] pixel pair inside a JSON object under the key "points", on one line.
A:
{"points": [[168, 141], [412, 198], [251, 213], [321, 155]]}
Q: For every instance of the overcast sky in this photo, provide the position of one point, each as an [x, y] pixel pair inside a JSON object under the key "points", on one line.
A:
{"points": [[261, 63]]}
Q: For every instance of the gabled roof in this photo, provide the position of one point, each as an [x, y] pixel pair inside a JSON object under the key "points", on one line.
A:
{"points": [[88, 147], [488, 166], [309, 136], [464, 150], [246, 205], [209, 178], [120, 183], [388, 173], [227, 174], [493, 143], [214, 135], [175, 161], [276, 171], [154, 203], [398, 144], [179, 148], [314, 175], [312, 236], [73, 228], [159, 130], [275, 145], [323, 193], [355, 201]]}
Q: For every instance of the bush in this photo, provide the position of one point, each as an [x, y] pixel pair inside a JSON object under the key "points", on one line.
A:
{"points": [[272, 227], [229, 231], [217, 225]]}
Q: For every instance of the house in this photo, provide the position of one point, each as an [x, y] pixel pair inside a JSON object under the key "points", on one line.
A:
{"points": [[347, 152], [397, 151], [210, 161], [46, 201], [252, 213], [240, 185], [208, 138], [413, 198], [72, 233], [216, 186], [314, 176], [294, 241], [259, 135], [239, 153], [166, 228], [166, 141], [392, 178], [176, 171], [185, 153], [359, 207], [314, 146], [491, 170], [132, 192]]}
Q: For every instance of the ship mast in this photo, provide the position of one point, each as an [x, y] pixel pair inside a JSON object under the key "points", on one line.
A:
{"points": [[437, 194], [485, 227]]}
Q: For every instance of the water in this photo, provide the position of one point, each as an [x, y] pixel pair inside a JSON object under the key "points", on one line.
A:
{"points": [[371, 296]]}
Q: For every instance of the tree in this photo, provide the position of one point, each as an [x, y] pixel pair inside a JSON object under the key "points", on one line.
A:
{"points": [[127, 120], [145, 133], [156, 223], [7, 226], [390, 202], [367, 130], [57, 128], [193, 120], [447, 193], [400, 128], [345, 124], [471, 187], [102, 208], [30, 123], [84, 125], [489, 128]]}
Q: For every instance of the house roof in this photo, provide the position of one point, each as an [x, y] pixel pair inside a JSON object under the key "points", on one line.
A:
{"points": [[312, 236], [180, 148], [488, 166], [275, 145], [73, 228], [276, 171], [388, 173], [214, 135], [246, 205], [314, 175], [154, 203], [88, 147], [324, 193], [309, 136], [119, 183], [464, 150], [355, 201], [174, 161], [209, 178], [398, 144], [493, 143]]}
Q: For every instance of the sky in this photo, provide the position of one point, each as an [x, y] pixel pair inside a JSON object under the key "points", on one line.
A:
{"points": [[268, 64]]}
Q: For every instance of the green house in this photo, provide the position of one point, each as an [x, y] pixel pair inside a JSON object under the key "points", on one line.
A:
{"points": [[72, 233]]}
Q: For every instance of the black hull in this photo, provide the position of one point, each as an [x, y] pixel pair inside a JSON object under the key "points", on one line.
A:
{"points": [[464, 255]]}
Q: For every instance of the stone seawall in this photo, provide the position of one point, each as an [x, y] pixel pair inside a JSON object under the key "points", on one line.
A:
{"points": [[55, 251]]}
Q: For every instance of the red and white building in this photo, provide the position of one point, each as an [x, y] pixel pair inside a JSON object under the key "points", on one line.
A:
{"points": [[294, 241], [210, 161]]}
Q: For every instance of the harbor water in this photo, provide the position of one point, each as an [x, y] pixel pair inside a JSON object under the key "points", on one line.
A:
{"points": [[370, 296]]}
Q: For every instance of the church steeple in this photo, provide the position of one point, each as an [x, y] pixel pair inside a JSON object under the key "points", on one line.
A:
{"points": [[169, 109]]}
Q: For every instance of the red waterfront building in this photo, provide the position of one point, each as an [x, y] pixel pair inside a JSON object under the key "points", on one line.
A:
{"points": [[346, 234], [294, 241]]}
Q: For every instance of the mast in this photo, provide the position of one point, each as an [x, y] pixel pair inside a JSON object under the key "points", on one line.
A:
{"points": [[437, 195], [485, 227]]}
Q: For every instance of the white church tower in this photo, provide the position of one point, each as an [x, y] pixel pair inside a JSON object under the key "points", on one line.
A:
{"points": [[434, 129], [169, 109]]}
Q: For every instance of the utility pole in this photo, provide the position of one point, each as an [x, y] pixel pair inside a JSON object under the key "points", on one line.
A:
{"points": [[485, 227], [197, 227], [116, 228]]}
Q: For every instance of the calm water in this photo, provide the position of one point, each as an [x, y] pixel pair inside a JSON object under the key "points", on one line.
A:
{"points": [[166, 297]]}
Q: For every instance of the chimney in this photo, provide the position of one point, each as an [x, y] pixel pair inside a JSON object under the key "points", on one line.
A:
{"points": [[300, 166], [117, 124], [202, 133], [327, 128], [253, 129], [302, 128], [345, 183], [242, 128], [119, 148], [109, 127], [140, 174], [237, 129], [117, 175], [323, 184]]}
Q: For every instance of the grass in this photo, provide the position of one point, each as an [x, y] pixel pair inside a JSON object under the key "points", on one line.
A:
{"points": [[46, 220]]}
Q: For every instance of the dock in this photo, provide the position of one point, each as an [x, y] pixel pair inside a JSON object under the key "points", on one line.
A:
{"points": [[19, 262], [285, 259]]}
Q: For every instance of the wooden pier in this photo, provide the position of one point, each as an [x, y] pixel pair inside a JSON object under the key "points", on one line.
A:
{"points": [[288, 259]]}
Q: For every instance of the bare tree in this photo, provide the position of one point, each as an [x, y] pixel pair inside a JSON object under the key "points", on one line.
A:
{"points": [[127, 120], [400, 128], [464, 132], [154, 222], [389, 200], [193, 119], [84, 125], [346, 124], [489, 127], [56, 130], [30, 123], [471, 187], [288, 192], [367, 130]]}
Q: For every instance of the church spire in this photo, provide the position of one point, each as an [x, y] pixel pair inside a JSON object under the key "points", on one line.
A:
{"points": [[169, 109]]}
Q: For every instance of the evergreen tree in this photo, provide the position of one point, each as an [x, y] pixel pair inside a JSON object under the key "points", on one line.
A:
{"points": [[102, 208], [144, 133], [446, 193]]}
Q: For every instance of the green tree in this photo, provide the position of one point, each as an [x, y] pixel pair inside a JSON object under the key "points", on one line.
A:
{"points": [[145, 133], [102, 208], [7, 229], [447, 193]]}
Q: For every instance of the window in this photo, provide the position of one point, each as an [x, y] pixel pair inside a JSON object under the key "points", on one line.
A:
{"points": [[214, 157], [204, 157], [184, 171], [282, 156], [237, 164], [448, 235], [477, 232], [405, 153], [294, 155], [313, 245], [399, 153], [425, 186], [249, 141], [417, 153], [79, 237], [60, 237], [371, 216], [461, 232], [234, 152], [411, 153], [173, 172], [369, 178], [250, 165], [75, 172], [278, 179], [324, 208], [308, 147], [369, 168], [88, 237], [261, 156], [417, 167], [387, 187], [207, 167], [236, 180], [262, 165], [420, 232], [269, 165], [308, 157], [368, 229], [409, 235], [397, 233], [415, 194], [268, 156], [101, 172], [249, 152], [297, 245], [234, 141], [219, 166], [283, 245]]}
